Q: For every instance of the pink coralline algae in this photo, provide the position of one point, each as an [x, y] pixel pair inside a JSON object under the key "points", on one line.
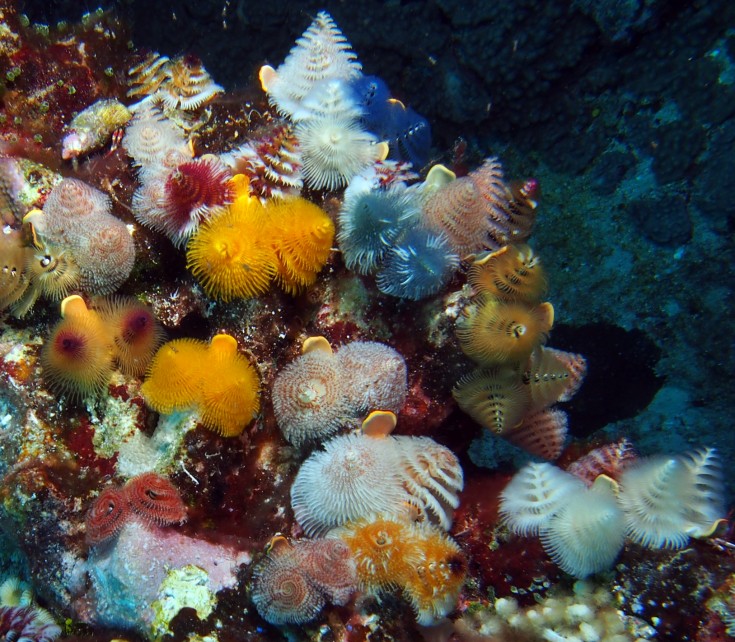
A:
{"points": [[127, 575]]}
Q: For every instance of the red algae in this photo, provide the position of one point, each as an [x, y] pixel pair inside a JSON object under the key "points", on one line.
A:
{"points": [[78, 439], [503, 564], [52, 77]]}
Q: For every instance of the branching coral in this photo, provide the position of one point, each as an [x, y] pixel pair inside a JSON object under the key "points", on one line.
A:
{"points": [[587, 612]]}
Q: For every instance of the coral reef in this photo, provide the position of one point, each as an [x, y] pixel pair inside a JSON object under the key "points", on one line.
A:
{"points": [[142, 481]]}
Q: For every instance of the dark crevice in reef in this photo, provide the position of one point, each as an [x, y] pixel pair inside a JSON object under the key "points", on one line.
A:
{"points": [[621, 378]]}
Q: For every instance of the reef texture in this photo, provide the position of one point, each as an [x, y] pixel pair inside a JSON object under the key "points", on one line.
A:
{"points": [[314, 302]]}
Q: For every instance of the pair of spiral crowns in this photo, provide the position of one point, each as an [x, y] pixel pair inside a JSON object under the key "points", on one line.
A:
{"points": [[81, 353], [659, 502], [74, 243], [213, 379]]}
